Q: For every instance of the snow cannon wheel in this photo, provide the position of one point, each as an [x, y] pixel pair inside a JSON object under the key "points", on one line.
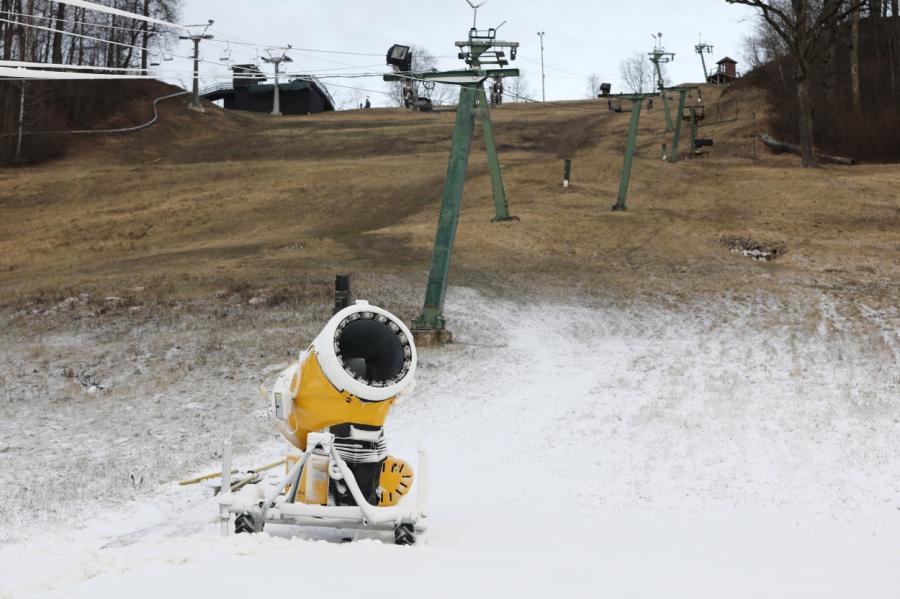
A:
{"points": [[405, 534], [245, 524]]}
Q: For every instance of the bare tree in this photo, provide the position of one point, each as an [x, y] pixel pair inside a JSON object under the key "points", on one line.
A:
{"points": [[106, 40], [763, 46], [520, 89], [804, 26], [637, 73], [593, 85]]}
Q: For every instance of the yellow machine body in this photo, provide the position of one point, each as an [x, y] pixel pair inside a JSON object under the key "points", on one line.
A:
{"points": [[396, 480], [317, 404], [313, 488]]}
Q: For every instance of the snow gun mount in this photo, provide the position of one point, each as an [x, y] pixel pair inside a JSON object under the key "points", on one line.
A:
{"points": [[332, 405]]}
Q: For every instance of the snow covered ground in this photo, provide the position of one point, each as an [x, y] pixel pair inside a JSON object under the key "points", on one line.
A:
{"points": [[729, 448]]}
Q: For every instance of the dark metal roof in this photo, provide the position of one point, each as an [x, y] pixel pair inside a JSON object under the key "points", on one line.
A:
{"points": [[727, 59], [293, 86], [221, 91]]}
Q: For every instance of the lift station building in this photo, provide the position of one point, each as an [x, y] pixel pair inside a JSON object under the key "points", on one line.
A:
{"points": [[249, 91]]}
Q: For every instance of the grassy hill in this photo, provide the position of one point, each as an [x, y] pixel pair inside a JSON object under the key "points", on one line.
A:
{"points": [[221, 201]]}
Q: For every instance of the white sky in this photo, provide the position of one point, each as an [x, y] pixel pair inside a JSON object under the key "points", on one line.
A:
{"points": [[582, 36]]}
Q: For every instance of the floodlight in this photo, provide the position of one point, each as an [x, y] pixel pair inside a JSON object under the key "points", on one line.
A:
{"points": [[400, 57]]}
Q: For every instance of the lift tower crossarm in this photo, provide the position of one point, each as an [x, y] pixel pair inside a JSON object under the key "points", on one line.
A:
{"points": [[454, 77]]}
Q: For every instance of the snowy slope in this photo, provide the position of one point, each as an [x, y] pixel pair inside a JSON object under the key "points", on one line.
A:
{"points": [[728, 449]]}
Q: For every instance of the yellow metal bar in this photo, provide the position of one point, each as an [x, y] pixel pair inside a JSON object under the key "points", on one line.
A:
{"points": [[201, 479]]}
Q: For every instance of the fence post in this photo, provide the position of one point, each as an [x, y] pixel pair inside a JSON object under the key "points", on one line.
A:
{"points": [[754, 134]]}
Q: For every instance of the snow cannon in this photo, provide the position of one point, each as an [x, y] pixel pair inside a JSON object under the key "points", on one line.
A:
{"points": [[332, 405], [348, 380]]}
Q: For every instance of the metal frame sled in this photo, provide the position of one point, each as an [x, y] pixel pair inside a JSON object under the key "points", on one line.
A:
{"points": [[253, 509]]}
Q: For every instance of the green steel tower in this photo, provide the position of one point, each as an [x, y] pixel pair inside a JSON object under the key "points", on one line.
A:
{"points": [[481, 49]]}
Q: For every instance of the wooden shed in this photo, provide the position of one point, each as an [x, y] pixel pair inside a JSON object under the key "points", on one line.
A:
{"points": [[725, 72]]}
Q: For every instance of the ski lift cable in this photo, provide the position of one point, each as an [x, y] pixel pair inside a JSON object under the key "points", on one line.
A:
{"points": [[101, 40], [73, 22], [74, 67], [223, 37], [153, 52], [25, 68], [32, 70], [44, 75], [21, 74], [122, 13], [552, 68], [226, 42], [362, 89]]}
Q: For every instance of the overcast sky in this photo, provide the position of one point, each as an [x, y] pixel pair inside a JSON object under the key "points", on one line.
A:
{"points": [[582, 36]]}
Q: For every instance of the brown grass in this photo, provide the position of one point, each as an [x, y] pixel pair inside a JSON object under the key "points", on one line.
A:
{"points": [[274, 207]]}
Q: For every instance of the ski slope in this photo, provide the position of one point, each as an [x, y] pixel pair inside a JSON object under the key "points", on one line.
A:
{"points": [[723, 449]]}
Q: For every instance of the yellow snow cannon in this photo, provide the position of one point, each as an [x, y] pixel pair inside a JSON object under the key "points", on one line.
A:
{"points": [[332, 405]]}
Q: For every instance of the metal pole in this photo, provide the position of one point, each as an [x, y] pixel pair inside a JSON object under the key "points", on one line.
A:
{"points": [[665, 97], [432, 316], [21, 122], [543, 76], [501, 207], [27, 54], [224, 513], [195, 97], [705, 72], [567, 174], [276, 106], [753, 115], [195, 101], [343, 295], [636, 105], [676, 139], [694, 128]]}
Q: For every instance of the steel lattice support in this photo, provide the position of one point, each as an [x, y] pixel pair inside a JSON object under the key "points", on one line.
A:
{"points": [[501, 207], [636, 104], [482, 48], [676, 138], [432, 316], [665, 98], [694, 128]]}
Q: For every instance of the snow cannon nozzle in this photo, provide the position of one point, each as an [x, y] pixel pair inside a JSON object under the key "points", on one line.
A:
{"points": [[373, 349], [368, 352]]}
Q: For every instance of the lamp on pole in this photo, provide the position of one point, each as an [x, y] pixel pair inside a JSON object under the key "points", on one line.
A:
{"points": [[543, 76]]}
